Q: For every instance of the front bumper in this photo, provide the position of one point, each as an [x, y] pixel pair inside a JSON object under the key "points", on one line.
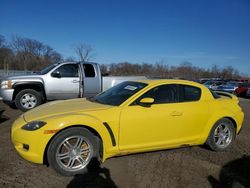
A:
{"points": [[35, 140], [6, 94]]}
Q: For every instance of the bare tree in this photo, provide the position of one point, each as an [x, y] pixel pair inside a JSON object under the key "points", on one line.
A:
{"points": [[32, 54], [84, 52], [70, 58], [2, 41]]}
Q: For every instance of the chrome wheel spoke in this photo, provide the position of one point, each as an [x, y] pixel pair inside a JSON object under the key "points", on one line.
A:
{"points": [[84, 151], [81, 160], [219, 141], [224, 142], [24, 100], [79, 142], [63, 156], [71, 163], [220, 128], [67, 145]]}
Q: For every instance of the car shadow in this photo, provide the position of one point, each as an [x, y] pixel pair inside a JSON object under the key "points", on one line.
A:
{"points": [[3, 118], [95, 176], [235, 174]]}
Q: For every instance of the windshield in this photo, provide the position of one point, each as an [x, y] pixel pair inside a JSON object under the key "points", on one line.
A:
{"points": [[47, 69], [119, 93]]}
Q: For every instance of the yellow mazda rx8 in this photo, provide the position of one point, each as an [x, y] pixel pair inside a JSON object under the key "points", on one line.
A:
{"points": [[131, 117]]}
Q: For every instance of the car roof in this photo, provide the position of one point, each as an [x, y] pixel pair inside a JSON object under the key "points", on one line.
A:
{"points": [[168, 81]]}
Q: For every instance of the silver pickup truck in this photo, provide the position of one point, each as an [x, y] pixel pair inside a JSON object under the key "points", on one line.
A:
{"points": [[58, 81]]}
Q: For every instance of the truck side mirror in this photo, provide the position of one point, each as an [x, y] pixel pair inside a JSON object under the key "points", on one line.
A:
{"points": [[146, 102], [56, 74]]}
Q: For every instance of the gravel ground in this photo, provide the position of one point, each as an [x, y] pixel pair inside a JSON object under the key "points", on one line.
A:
{"points": [[185, 167]]}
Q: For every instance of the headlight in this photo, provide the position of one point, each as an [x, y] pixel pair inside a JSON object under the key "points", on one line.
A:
{"points": [[34, 125], [6, 84]]}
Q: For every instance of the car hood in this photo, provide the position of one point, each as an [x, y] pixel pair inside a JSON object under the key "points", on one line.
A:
{"points": [[22, 76], [63, 107]]}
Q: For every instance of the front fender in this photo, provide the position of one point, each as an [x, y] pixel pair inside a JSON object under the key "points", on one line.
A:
{"points": [[56, 124]]}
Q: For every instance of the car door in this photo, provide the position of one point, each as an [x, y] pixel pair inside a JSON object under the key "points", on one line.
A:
{"points": [[92, 80], [174, 119], [146, 127], [194, 113], [63, 82]]}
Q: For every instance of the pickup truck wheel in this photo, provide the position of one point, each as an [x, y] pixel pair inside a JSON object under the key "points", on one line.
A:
{"points": [[222, 135], [72, 151], [28, 99]]}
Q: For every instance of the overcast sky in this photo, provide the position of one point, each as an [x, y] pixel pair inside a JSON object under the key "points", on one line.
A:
{"points": [[203, 32]]}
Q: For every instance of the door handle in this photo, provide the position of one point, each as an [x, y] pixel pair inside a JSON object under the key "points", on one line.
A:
{"points": [[75, 81], [175, 113]]}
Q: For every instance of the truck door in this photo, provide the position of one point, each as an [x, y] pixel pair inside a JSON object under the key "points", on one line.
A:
{"points": [[92, 79], [63, 82]]}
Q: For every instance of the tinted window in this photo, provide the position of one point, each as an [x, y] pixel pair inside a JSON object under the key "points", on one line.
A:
{"points": [[189, 93], [47, 69], [89, 70], [119, 93], [162, 94], [68, 70], [245, 84]]}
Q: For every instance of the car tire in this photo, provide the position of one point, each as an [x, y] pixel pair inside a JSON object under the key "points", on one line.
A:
{"points": [[221, 135], [27, 99], [73, 151]]}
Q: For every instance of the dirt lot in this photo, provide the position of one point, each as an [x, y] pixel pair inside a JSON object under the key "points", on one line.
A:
{"points": [[185, 167]]}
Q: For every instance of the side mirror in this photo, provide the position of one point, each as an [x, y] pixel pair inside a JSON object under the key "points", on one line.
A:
{"points": [[146, 102], [56, 74]]}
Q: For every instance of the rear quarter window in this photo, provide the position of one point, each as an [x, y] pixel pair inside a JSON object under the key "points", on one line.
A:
{"points": [[189, 93], [89, 70]]}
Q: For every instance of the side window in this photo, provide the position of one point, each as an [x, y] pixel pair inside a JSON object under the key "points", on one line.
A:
{"points": [[89, 70], [68, 70], [162, 94], [189, 93]]}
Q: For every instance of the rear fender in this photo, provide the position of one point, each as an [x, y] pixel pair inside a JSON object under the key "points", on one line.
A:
{"points": [[211, 122]]}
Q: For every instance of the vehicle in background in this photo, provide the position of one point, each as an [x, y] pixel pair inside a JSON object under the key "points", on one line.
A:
{"points": [[203, 80], [244, 79], [65, 80], [242, 89], [248, 93], [229, 87], [213, 84]]}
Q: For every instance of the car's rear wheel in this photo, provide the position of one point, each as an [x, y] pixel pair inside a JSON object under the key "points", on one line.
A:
{"points": [[72, 150], [28, 99], [222, 135]]}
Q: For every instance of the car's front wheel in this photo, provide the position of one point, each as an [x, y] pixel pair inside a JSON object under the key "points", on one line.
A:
{"points": [[27, 99], [72, 150], [222, 135]]}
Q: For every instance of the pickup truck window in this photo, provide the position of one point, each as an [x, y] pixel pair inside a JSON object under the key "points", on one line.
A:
{"points": [[89, 70], [119, 93], [68, 70], [47, 69]]}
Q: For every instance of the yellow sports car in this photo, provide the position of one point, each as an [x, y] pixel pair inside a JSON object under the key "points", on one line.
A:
{"points": [[128, 118]]}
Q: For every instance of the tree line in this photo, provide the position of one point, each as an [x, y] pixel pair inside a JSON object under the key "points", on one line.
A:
{"points": [[22, 53], [161, 70]]}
